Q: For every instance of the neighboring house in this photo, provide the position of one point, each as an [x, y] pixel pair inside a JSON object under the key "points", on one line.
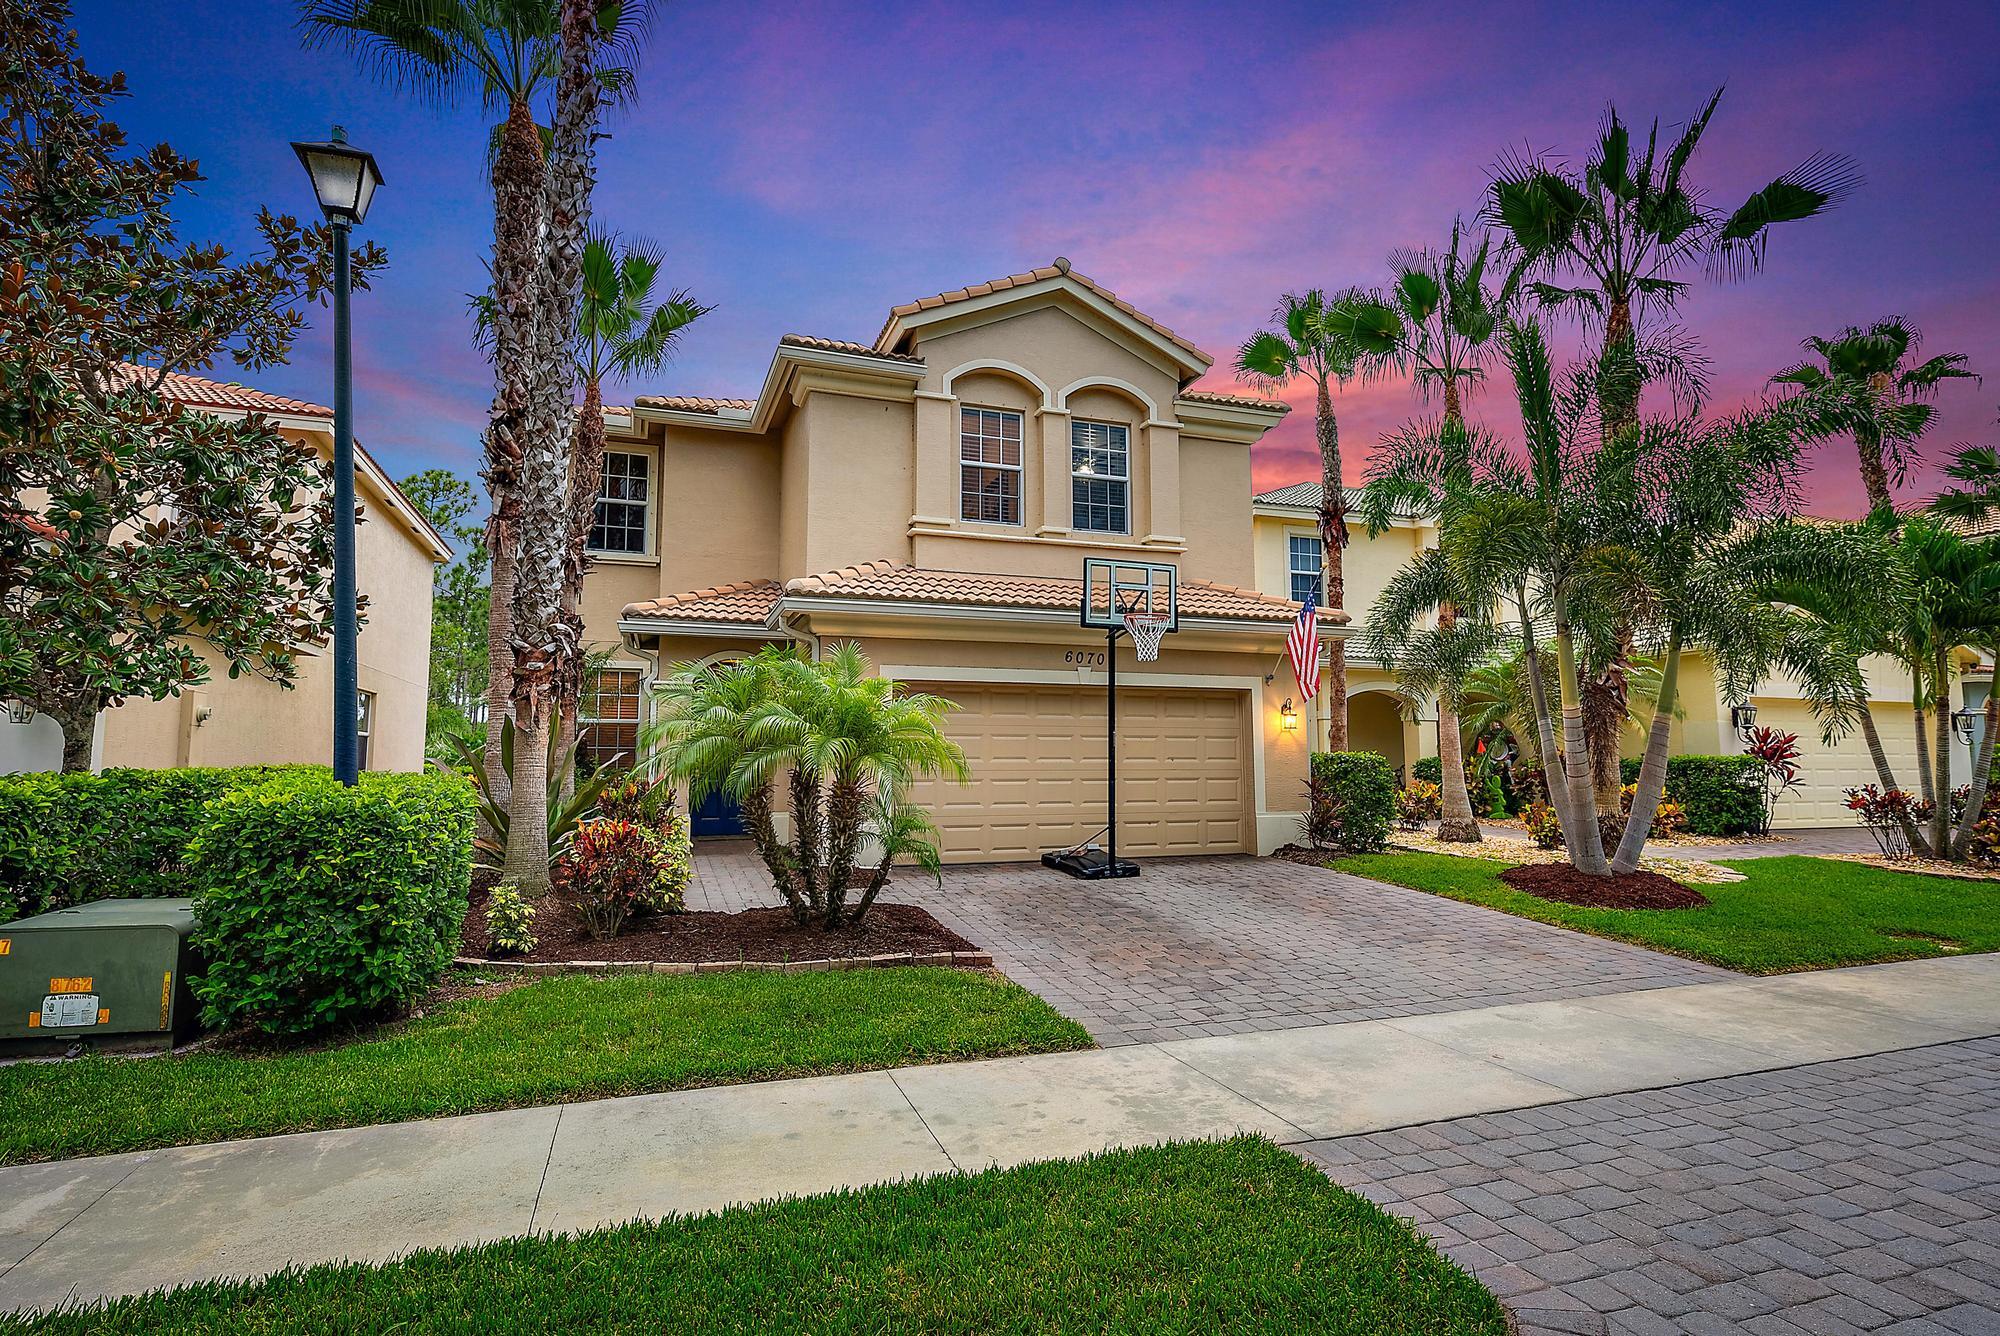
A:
{"points": [[932, 496], [251, 720], [1381, 719]]}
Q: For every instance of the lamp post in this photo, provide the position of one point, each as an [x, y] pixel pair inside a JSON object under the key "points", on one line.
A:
{"points": [[344, 179]]}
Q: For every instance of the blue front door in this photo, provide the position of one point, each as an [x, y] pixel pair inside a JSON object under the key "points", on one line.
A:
{"points": [[718, 814]]}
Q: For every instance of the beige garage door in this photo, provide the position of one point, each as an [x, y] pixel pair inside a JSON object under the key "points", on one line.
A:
{"points": [[1037, 761], [1826, 773]]}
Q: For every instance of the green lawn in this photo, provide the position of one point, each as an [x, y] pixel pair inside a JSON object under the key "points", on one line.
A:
{"points": [[1234, 1236], [1792, 913], [565, 1038]]}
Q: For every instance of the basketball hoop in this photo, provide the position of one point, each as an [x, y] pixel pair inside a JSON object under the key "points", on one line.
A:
{"points": [[1146, 629]]}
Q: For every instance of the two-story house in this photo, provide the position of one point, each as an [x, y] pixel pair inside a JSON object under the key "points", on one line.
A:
{"points": [[249, 720], [932, 496]]}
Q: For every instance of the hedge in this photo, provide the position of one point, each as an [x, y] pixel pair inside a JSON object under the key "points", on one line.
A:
{"points": [[1353, 800], [1720, 795], [321, 905], [70, 839], [1429, 768]]}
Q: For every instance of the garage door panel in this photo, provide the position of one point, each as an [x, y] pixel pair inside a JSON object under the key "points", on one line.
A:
{"points": [[1037, 760], [1827, 771]]}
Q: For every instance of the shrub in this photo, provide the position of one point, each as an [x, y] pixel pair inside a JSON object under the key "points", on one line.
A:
{"points": [[1358, 793], [70, 839], [1883, 813], [1417, 802], [608, 870], [1628, 769], [508, 917], [1428, 768], [1667, 818], [1720, 795], [1543, 825], [1489, 798], [649, 804], [321, 904]]}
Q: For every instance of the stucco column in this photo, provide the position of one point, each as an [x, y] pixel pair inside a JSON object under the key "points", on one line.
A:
{"points": [[937, 459], [1163, 482], [1057, 512]]}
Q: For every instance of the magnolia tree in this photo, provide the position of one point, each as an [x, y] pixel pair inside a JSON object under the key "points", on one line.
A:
{"points": [[141, 544]]}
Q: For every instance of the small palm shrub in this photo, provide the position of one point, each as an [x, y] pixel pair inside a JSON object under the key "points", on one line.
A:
{"points": [[608, 870], [1543, 825], [1417, 802], [508, 916]]}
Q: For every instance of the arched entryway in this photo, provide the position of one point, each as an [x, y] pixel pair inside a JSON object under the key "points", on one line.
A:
{"points": [[1375, 723]]}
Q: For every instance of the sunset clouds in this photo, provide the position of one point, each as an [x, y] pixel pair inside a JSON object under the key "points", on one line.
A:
{"points": [[805, 167]]}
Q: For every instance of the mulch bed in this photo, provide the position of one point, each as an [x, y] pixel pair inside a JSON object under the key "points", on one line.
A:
{"points": [[1634, 890], [705, 936]]}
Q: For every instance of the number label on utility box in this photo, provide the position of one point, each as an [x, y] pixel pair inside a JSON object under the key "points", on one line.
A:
{"points": [[69, 1009]]}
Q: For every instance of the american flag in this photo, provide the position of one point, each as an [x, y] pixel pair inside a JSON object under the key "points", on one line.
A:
{"points": [[1303, 645]]}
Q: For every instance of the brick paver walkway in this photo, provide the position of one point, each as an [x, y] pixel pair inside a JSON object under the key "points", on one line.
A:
{"points": [[1861, 1195], [1200, 947]]}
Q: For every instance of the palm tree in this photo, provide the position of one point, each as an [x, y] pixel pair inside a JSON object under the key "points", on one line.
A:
{"points": [[507, 51], [621, 331], [1449, 322], [1867, 386], [1976, 498], [1624, 230], [1328, 342], [701, 735]]}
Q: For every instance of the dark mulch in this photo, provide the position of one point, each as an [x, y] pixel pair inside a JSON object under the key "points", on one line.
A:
{"points": [[1634, 890], [753, 934]]}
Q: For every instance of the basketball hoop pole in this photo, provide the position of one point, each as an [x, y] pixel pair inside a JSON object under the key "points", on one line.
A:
{"points": [[1111, 743]]}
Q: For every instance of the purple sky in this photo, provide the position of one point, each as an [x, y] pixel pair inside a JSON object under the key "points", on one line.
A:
{"points": [[805, 168]]}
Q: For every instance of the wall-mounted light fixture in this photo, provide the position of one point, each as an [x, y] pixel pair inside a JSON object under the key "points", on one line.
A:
{"points": [[1288, 718], [1743, 718], [20, 712], [1963, 722]]}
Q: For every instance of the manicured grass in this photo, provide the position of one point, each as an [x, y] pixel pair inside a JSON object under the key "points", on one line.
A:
{"points": [[1792, 913], [564, 1038], [1234, 1236]]}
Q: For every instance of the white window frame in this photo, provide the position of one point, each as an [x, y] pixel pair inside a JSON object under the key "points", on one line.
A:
{"points": [[645, 505], [1016, 468], [593, 696], [1292, 571], [1124, 479], [364, 726]]}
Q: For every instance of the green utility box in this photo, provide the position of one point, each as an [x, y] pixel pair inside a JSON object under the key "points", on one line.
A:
{"points": [[113, 973]]}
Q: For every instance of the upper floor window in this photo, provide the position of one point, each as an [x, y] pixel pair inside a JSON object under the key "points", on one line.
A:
{"points": [[989, 466], [624, 504], [1304, 561], [1100, 474]]}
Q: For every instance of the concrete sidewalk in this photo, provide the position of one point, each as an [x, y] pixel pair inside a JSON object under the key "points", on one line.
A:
{"points": [[85, 1229]]}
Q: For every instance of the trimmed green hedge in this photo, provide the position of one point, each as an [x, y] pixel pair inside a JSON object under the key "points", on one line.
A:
{"points": [[1720, 795], [320, 904], [70, 839], [1353, 800], [1429, 768]]}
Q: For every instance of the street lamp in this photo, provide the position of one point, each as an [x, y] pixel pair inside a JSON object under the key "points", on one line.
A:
{"points": [[344, 179]]}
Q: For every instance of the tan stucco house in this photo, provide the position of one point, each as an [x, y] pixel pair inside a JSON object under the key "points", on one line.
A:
{"points": [[932, 496], [249, 720], [1382, 719]]}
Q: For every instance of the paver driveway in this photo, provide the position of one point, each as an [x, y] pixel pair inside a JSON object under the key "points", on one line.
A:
{"points": [[1214, 946], [1860, 1195]]}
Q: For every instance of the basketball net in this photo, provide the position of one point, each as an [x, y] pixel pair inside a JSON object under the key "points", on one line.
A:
{"points": [[1146, 629]]}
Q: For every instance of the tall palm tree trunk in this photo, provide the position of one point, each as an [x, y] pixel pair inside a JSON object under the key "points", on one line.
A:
{"points": [[1922, 718], [1941, 702], [1333, 544], [1460, 825], [518, 208], [1885, 775], [586, 463], [1586, 846], [1553, 776], [1652, 770], [1874, 474]]}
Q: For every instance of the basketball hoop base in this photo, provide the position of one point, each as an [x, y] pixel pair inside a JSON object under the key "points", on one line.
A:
{"points": [[1090, 864]]}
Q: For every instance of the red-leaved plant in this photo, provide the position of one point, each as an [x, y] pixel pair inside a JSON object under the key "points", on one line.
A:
{"points": [[608, 870], [1885, 812], [1780, 754]]}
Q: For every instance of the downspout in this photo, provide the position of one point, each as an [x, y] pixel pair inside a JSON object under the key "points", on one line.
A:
{"points": [[788, 622]]}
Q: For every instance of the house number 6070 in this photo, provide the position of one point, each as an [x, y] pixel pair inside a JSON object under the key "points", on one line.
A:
{"points": [[1084, 658]]}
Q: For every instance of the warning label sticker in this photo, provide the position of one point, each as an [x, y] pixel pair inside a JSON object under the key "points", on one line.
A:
{"points": [[71, 1009]]}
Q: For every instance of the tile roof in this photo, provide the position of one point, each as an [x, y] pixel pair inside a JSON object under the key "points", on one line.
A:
{"points": [[1235, 400], [1047, 271], [1308, 494], [689, 403], [845, 346], [743, 601], [200, 392], [897, 581]]}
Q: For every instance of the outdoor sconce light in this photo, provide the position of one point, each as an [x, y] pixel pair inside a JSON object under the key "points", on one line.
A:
{"points": [[343, 177], [1288, 718], [1744, 718], [1962, 722], [20, 712]]}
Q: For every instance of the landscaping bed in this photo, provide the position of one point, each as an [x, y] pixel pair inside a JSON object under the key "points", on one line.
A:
{"points": [[477, 1046], [1633, 890], [1206, 1237], [1786, 913], [706, 936]]}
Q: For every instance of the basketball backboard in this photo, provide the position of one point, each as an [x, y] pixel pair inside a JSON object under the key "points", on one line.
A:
{"points": [[1114, 588]]}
